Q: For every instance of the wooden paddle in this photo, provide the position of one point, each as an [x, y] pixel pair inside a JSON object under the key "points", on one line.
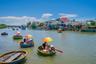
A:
{"points": [[59, 50]]}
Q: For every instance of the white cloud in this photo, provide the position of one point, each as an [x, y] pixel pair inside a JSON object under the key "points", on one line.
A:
{"points": [[46, 15], [17, 20], [68, 15]]}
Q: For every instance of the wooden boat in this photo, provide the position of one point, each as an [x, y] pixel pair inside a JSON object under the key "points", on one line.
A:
{"points": [[59, 31], [13, 28], [45, 53], [26, 45], [4, 33], [17, 37], [14, 57]]}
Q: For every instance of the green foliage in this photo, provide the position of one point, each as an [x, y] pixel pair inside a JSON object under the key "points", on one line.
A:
{"points": [[41, 24], [33, 26], [3, 26], [91, 23]]}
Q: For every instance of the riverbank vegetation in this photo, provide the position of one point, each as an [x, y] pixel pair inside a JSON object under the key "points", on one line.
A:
{"points": [[3, 26]]}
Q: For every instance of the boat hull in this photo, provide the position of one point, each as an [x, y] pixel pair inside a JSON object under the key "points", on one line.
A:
{"points": [[17, 37], [45, 54], [4, 34], [26, 45], [59, 31], [17, 61]]}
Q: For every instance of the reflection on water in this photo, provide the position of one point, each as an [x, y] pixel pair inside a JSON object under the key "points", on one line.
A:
{"points": [[79, 48]]}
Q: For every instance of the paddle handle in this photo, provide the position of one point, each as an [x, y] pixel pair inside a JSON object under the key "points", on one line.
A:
{"points": [[59, 51]]}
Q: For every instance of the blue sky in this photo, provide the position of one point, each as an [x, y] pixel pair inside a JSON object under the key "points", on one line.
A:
{"points": [[36, 8]]}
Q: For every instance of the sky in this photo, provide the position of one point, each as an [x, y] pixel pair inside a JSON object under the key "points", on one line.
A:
{"points": [[37, 9]]}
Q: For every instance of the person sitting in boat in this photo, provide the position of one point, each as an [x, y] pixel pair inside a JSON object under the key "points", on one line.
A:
{"points": [[45, 45], [28, 39], [52, 48], [18, 33], [24, 40]]}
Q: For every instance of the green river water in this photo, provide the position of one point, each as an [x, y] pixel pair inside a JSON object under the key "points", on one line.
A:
{"points": [[79, 48]]}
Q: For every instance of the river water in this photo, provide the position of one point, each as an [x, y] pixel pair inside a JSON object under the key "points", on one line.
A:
{"points": [[79, 48]]}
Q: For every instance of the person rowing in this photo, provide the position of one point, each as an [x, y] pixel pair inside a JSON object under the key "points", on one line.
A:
{"points": [[27, 42], [45, 45], [28, 39], [53, 49]]}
